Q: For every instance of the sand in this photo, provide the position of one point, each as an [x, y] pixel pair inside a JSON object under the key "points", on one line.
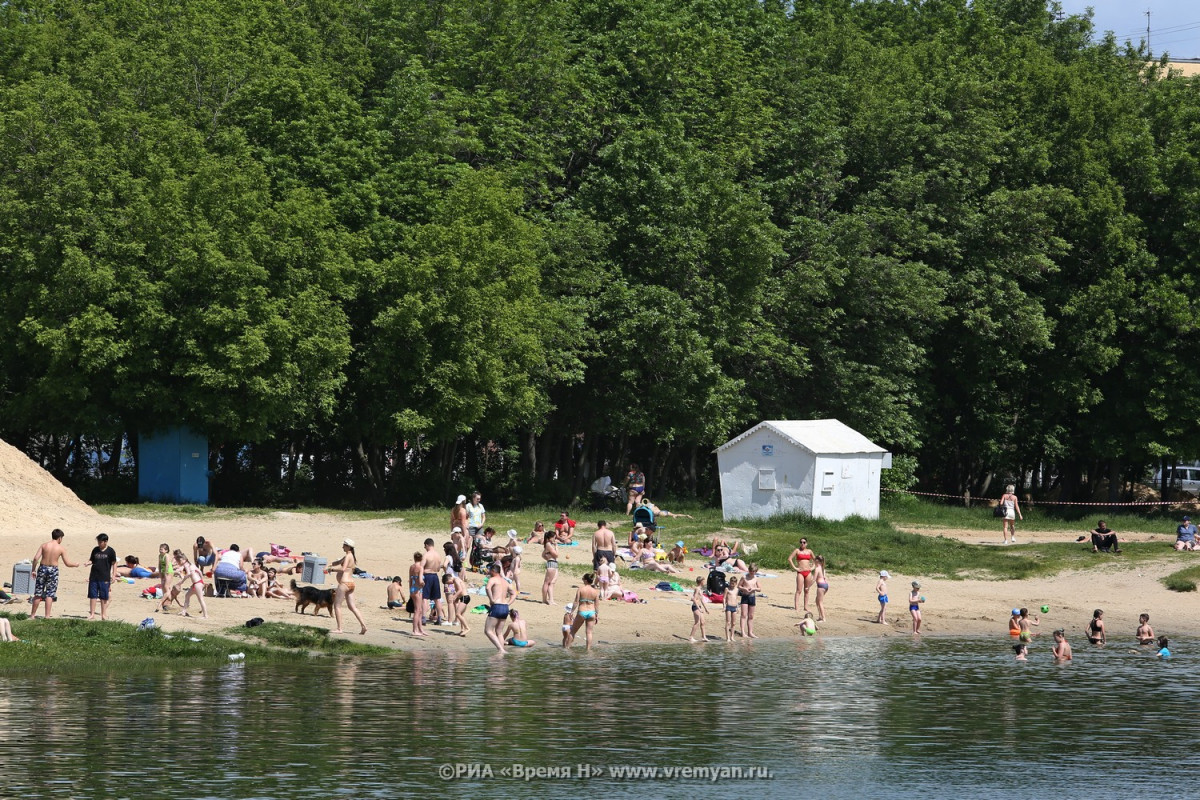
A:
{"points": [[32, 503]]}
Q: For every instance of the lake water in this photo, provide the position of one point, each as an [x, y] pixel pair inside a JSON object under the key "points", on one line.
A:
{"points": [[838, 718]]}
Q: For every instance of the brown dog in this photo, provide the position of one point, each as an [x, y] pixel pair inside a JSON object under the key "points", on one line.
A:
{"points": [[311, 595]]}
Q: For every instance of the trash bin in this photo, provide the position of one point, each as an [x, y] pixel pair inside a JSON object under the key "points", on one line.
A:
{"points": [[314, 569], [22, 580]]}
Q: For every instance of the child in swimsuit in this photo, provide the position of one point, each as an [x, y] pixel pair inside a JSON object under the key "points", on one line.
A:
{"points": [[1025, 634], [566, 625], [1014, 627], [1163, 651], [807, 626], [516, 635], [881, 593], [731, 607], [914, 606], [1145, 634], [1062, 648], [822, 586], [699, 611]]}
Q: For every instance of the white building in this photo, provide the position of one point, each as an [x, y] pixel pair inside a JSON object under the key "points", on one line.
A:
{"points": [[818, 467]]}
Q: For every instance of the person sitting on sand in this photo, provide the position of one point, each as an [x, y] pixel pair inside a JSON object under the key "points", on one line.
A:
{"points": [[133, 569], [676, 554], [203, 553], [256, 581], [538, 535], [516, 634], [564, 528], [724, 557], [395, 593], [274, 588], [807, 626], [649, 561]]}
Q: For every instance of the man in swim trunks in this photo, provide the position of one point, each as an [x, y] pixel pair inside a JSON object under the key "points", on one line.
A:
{"points": [[45, 567], [203, 553], [501, 595], [564, 529], [604, 545], [431, 589]]}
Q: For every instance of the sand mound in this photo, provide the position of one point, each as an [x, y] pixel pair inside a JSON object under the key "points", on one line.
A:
{"points": [[31, 499]]}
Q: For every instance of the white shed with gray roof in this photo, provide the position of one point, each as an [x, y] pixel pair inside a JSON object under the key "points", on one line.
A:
{"points": [[817, 467]]}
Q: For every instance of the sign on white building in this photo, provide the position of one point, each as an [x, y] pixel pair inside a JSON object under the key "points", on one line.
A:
{"points": [[818, 467]]}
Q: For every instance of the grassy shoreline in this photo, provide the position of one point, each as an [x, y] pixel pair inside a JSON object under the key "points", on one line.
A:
{"points": [[72, 644]]}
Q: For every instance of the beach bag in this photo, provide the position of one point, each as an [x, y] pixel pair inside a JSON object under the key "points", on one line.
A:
{"points": [[716, 582], [998, 511]]}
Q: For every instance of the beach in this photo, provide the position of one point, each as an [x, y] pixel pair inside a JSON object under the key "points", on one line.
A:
{"points": [[385, 547]]}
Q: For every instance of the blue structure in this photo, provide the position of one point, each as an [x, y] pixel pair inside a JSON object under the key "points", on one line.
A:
{"points": [[172, 467]]}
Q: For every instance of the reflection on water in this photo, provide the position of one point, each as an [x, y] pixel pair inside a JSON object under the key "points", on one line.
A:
{"points": [[840, 718]]}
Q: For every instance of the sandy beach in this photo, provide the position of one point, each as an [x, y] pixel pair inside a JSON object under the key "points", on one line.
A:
{"points": [[385, 547]]}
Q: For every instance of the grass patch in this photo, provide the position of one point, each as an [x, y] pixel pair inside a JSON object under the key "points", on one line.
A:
{"points": [[66, 644], [1182, 581], [307, 637], [906, 510]]}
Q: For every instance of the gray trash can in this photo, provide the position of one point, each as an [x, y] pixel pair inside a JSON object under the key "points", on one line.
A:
{"points": [[314, 569], [22, 580]]}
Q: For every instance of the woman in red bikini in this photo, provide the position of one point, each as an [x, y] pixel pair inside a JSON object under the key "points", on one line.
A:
{"points": [[801, 561]]}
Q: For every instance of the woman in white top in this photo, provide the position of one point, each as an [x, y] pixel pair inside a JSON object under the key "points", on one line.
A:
{"points": [[1012, 512]]}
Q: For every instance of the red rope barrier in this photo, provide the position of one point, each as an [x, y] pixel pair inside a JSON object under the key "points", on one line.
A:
{"points": [[1056, 502]]}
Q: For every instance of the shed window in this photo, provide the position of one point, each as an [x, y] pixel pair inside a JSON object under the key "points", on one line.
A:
{"points": [[766, 480]]}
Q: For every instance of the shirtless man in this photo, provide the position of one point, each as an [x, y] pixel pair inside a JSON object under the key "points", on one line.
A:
{"points": [[501, 595], [45, 570], [203, 553], [416, 583], [604, 545], [431, 582]]}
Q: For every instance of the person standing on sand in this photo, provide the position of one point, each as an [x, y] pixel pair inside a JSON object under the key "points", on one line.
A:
{"points": [[699, 612], [801, 561], [822, 584], [431, 583], [881, 595], [476, 515], [550, 556], [344, 593], [748, 592], [1011, 508], [45, 570], [190, 574], [914, 606], [604, 545], [501, 594], [416, 587], [103, 562]]}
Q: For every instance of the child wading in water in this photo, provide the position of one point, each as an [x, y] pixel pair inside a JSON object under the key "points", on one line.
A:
{"points": [[881, 593], [1145, 634], [914, 606], [1023, 622], [699, 611]]}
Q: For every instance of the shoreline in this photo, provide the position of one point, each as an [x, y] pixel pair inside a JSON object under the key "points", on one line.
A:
{"points": [[960, 607]]}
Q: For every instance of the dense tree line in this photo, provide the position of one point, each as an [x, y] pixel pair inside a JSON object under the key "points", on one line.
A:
{"points": [[380, 250]]}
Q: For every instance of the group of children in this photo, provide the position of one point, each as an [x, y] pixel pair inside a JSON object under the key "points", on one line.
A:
{"points": [[1020, 625], [915, 599]]}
